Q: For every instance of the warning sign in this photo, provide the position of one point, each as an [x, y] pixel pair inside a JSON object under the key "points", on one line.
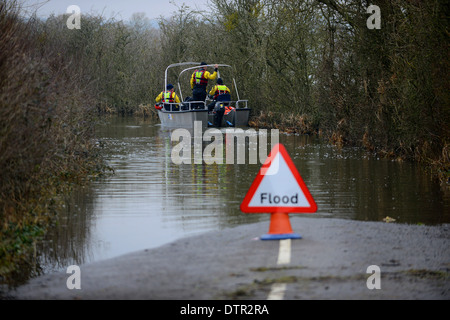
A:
{"points": [[278, 187]]}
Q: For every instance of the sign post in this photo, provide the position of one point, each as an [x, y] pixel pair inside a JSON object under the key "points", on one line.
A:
{"points": [[278, 189]]}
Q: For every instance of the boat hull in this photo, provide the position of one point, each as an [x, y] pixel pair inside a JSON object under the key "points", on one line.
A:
{"points": [[183, 119], [241, 117]]}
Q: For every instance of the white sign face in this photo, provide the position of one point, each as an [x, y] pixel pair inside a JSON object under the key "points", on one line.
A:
{"points": [[278, 188]]}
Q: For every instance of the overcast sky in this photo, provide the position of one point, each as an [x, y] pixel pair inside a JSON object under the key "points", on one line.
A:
{"points": [[119, 9]]}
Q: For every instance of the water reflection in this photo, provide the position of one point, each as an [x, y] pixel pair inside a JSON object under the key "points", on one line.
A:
{"points": [[150, 201], [351, 184]]}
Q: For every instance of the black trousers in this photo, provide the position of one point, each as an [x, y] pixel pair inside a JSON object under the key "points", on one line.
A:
{"points": [[219, 110], [199, 94]]}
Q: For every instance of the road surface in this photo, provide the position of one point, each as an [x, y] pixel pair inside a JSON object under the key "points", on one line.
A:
{"points": [[335, 259]]}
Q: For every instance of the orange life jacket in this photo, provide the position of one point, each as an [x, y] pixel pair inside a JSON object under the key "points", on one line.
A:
{"points": [[228, 109]]}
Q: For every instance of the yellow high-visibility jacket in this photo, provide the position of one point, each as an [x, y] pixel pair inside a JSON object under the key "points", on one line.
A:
{"points": [[206, 75], [219, 89], [174, 97]]}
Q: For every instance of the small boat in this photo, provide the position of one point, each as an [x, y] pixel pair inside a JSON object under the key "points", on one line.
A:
{"points": [[226, 112]]}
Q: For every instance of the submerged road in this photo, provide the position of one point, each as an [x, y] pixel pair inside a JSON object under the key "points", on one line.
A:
{"points": [[331, 261]]}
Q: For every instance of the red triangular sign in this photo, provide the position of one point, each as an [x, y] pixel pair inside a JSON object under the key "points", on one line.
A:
{"points": [[278, 187]]}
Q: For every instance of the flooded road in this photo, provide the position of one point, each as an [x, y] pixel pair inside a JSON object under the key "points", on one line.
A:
{"points": [[151, 201]]}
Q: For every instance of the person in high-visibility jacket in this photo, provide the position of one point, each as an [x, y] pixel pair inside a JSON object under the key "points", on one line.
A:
{"points": [[219, 92], [220, 106], [169, 96], [199, 81]]}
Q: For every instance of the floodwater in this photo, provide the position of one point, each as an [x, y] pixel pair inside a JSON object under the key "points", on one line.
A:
{"points": [[150, 201]]}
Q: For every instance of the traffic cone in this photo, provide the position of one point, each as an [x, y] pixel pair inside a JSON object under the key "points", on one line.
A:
{"points": [[280, 228]]}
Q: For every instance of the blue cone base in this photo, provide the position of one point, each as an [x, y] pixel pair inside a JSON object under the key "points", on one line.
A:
{"points": [[280, 236]]}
